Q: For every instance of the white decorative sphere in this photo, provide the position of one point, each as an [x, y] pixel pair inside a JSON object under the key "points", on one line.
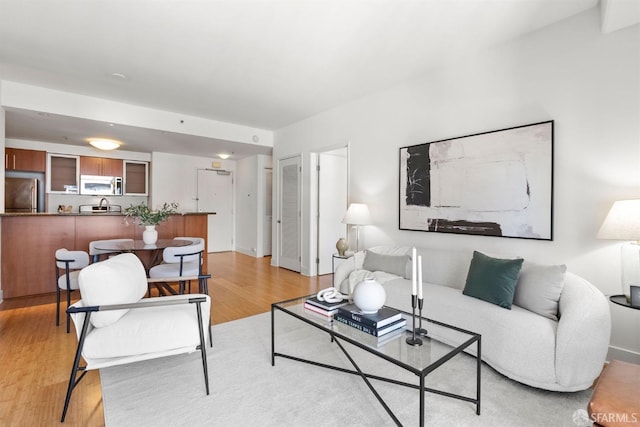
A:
{"points": [[369, 296]]}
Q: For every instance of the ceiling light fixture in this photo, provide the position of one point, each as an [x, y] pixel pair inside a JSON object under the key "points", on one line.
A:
{"points": [[223, 156], [104, 144]]}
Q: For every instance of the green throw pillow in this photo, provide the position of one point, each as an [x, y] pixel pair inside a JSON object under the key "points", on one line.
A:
{"points": [[492, 279]]}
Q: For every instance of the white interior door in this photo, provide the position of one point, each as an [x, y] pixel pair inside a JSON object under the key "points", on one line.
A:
{"points": [[289, 212], [332, 204], [215, 194], [268, 215]]}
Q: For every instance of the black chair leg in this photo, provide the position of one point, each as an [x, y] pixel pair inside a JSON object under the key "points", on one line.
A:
{"points": [[76, 367], [203, 348], [68, 304], [57, 305]]}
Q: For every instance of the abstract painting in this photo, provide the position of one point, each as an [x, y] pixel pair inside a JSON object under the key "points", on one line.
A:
{"points": [[497, 183]]}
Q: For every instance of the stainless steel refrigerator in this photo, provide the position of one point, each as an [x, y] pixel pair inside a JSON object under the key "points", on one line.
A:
{"points": [[20, 194]]}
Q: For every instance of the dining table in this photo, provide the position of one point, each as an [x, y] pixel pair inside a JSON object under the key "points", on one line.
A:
{"points": [[140, 248], [149, 254]]}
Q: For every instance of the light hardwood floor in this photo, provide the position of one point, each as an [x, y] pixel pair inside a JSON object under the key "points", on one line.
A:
{"points": [[36, 356]]}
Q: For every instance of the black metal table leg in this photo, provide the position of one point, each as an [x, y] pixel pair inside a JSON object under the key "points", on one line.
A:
{"points": [[421, 401], [273, 340]]}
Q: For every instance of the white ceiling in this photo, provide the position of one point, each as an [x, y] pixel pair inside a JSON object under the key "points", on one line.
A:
{"points": [[259, 63]]}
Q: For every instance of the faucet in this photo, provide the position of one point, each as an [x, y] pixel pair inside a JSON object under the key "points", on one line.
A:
{"points": [[104, 199]]}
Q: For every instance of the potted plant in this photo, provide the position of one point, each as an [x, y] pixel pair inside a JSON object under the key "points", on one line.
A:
{"points": [[148, 218]]}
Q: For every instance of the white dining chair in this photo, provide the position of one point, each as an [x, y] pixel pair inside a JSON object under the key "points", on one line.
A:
{"points": [[183, 261], [68, 266], [95, 253]]}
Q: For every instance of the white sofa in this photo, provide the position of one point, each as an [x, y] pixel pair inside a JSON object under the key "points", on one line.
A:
{"points": [[566, 354]]}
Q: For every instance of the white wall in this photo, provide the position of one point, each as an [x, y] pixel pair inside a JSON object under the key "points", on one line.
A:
{"points": [[250, 206], [569, 72], [247, 206], [174, 178]]}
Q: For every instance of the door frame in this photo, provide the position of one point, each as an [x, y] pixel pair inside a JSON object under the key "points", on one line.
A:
{"points": [[316, 221], [277, 224]]}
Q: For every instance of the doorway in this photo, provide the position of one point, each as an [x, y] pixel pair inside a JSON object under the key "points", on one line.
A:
{"points": [[333, 180], [267, 216]]}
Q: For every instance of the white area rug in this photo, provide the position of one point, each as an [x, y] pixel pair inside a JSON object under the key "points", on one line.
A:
{"points": [[247, 391]]}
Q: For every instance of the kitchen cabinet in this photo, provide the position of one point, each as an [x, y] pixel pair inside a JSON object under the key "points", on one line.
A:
{"points": [[136, 178], [100, 166], [62, 176], [28, 247], [17, 159], [40, 235]]}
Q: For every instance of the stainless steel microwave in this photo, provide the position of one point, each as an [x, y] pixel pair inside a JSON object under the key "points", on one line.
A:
{"points": [[101, 185]]}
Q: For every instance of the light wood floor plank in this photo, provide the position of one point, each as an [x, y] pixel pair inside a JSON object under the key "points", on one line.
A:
{"points": [[36, 356]]}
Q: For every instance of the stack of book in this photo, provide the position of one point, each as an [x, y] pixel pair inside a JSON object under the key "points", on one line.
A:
{"points": [[385, 321], [327, 309]]}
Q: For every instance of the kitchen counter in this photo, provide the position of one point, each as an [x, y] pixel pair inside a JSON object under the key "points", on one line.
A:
{"points": [[7, 214], [29, 242]]}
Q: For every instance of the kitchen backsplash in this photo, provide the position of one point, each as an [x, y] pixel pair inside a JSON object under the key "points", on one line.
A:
{"points": [[74, 200]]}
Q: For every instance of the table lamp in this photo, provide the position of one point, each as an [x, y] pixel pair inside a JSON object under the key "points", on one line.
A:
{"points": [[623, 223], [357, 215]]}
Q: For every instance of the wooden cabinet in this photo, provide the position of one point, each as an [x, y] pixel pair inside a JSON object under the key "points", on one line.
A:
{"points": [[136, 178], [17, 159], [62, 176], [100, 166], [29, 243], [28, 252]]}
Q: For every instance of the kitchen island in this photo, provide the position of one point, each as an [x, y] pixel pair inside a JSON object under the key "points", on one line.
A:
{"points": [[29, 242]]}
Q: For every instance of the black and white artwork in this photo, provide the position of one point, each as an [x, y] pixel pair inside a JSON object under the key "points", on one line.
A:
{"points": [[497, 183]]}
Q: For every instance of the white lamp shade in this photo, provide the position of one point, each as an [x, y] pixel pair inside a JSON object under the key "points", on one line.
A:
{"points": [[357, 214], [622, 221]]}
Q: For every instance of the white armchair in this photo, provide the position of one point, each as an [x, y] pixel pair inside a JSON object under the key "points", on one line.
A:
{"points": [[116, 326]]}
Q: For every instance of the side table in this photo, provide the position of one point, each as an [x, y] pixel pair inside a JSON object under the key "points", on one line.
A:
{"points": [[622, 300], [333, 265]]}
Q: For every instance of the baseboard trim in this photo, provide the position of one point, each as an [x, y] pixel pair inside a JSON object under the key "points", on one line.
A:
{"points": [[623, 354], [246, 252]]}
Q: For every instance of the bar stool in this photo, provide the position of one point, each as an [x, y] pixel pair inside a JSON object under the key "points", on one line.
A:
{"points": [[71, 262]]}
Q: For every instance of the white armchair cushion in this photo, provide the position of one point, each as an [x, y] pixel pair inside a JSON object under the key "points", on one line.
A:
{"points": [[118, 280], [148, 330]]}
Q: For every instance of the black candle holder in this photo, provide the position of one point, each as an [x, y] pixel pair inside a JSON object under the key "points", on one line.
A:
{"points": [[413, 340], [420, 330]]}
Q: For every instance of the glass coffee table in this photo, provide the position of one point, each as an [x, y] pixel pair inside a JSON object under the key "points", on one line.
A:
{"points": [[419, 360]]}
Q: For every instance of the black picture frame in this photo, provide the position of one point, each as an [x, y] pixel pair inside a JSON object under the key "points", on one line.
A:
{"points": [[635, 296], [495, 183]]}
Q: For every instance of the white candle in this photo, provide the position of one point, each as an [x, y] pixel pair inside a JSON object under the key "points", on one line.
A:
{"points": [[414, 278], [420, 277]]}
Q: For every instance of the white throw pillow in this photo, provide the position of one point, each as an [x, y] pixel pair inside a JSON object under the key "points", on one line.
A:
{"points": [[539, 288], [118, 280]]}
